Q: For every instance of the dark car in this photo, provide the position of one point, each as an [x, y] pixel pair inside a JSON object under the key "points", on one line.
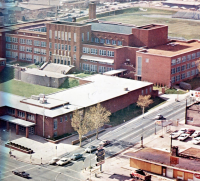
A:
{"points": [[104, 143], [76, 156], [159, 117], [190, 131], [21, 173]]}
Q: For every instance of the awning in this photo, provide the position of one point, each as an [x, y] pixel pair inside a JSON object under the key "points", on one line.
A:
{"points": [[113, 72], [97, 59], [17, 121]]}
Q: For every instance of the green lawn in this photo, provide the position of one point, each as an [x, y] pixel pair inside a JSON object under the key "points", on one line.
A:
{"points": [[185, 28], [82, 75], [10, 85], [131, 111]]}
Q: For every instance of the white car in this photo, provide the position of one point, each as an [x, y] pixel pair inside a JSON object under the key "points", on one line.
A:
{"points": [[183, 137], [196, 140], [195, 134], [63, 161], [175, 134], [53, 161], [90, 149]]}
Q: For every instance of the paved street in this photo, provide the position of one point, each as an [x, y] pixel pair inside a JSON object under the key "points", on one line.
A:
{"points": [[122, 137]]}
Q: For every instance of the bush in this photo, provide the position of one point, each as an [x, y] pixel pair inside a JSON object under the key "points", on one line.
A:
{"points": [[36, 63]]}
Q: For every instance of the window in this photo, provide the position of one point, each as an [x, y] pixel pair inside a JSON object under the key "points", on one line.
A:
{"points": [[188, 65], [29, 57], [50, 45], [11, 111], [142, 92], [178, 60], [96, 40], [110, 53], [107, 41], [86, 50], [50, 53], [43, 44], [31, 117], [21, 114], [82, 37], [69, 36], [55, 45], [173, 62], [102, 52], [74, 57], [183, 67], [114, 42], [62, 35], [198, 54], [55, 134], [197, 71], [22, 56], [193, 64], [29, 42], [66, 118], [29, 49], [22, 41], [102, 69], [139, 66], [149, 89], [193, 55], [173, 70], [43, 51], [178, 78], [109, 68], [74, 37], [70, 116], [8, 53], [173, 79], [62, 47], [37, 50], [55, 36], [74, 48], [65, 36], [192, 72], [93, 51], [36, 43], [88, 36], [93, 68], [188, 57], [183, 76], [86, 67], [8, 46], [119, 43], [102, 40], [69, 47], [147, 60], [65, 47], [92, 39], [50, 34], [183, 58], [188, 74], [178, 69], [14, 54], [61, 119], [55, 124]]}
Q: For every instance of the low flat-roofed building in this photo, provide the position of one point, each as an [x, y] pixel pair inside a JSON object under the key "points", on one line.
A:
{"points": [[52, 113]]}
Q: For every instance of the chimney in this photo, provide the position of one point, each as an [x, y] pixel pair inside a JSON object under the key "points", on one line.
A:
{"points": [[92, 10], [174, 151]]}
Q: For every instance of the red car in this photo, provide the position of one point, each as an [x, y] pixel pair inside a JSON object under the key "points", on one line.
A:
{"points": [[190, 131], [104, 143]]}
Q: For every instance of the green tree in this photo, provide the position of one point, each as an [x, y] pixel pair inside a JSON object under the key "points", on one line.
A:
{"points": [[144, 101], [97, 116]]}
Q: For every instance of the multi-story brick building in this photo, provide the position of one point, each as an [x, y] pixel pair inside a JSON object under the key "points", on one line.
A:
{"points": [[96, 46]]}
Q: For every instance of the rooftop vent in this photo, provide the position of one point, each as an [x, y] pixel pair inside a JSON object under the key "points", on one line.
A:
{"points": [[35, 97], [43, 100], [65, 106], [42, 95], [126, 89]]}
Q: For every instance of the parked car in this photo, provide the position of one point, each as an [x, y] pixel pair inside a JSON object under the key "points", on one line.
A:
{"points": [[159, 117], [53, 160], [104, 143], [90, 149], [63, 161], [190, 131], [183, 130], [21, 173], [76, 156], [141, 175], [175, 134], [196, 140], [183, 137], [195, 134]]}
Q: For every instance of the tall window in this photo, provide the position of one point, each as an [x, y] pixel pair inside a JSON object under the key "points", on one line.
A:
{"points": [[139, 66], [69, 36], [119, 43], [62, 36], [55, 124], [59, 35], [65, 36], [82, 36], [74, 37], [88, 36], [55, 45], [50, 34], [56, 34], [74, 48], [50, 45]]}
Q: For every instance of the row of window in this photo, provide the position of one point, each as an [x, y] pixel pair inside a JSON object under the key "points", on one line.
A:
{"points": [[185, 58], [11, 46], [107, 41], [93, 68], [55, 122], [59, 46], [183, 67], [61, 35], [98, 62], [146, 91], [11, 39], [101, 52], [184, 75]]}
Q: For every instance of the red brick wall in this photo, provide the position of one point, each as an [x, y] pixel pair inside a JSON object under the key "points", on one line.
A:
{"points": [[194, 112]]}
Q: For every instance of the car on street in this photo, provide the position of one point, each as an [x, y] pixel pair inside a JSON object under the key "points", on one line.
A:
{"points": [[175, 134], [183, 137], [90, 149], [63, 161], [53, 160], [195, 134], [159, 117], [104, 143], [190, 131], [21, 173], [196, 140], [76, 156]]}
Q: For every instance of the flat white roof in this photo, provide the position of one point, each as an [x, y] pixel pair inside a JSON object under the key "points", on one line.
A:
{"points": [[113, 72], [98, 59], [17, 121], [100, 88]]}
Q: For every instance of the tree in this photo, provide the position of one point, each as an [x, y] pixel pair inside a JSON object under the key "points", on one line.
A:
{"points": [[98, 116], [79, 123], [144, 101]]}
